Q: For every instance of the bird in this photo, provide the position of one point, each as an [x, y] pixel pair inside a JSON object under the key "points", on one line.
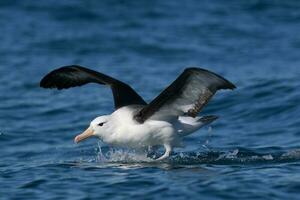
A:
{"points": [[134, 123]]}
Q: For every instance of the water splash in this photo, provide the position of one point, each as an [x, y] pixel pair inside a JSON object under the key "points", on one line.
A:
{"points": [[100, 156], [121, 155], [207, 140], [235, 156]]}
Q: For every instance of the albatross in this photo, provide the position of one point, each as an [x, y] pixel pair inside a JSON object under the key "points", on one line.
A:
{"points": [[163, 122]]}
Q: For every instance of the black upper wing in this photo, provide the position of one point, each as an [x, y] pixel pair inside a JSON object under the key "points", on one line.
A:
{"points": [[74, 75], [187, 95]]}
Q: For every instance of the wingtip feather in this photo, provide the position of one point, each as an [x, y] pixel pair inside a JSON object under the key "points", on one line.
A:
{"points": [[225, 83]]}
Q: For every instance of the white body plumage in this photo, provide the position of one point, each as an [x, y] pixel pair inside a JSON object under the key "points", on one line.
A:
{"points": [[120, 129]]}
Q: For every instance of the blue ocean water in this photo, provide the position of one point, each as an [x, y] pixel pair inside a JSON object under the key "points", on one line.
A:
{"points": [[251, 152]]}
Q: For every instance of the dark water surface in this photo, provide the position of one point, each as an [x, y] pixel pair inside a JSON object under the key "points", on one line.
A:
{"points": [[251, 152]]}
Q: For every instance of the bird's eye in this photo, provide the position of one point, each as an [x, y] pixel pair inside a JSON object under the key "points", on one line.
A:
{"points": [[101, 124]]}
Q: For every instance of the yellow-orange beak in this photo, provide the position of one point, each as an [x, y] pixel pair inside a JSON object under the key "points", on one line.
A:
{"points": [[86, 134]]}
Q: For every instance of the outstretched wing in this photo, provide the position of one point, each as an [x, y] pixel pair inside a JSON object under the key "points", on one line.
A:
{"points": [[187, 95], [74, 75]]}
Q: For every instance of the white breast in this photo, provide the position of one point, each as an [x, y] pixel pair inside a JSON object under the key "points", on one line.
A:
{"points": [[126, 132]]}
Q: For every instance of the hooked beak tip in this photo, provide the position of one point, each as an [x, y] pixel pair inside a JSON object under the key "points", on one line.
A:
{"points": [[76, 139]]}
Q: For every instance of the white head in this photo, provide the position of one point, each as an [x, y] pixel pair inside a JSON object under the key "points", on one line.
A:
{"points": [[98, 128]]}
